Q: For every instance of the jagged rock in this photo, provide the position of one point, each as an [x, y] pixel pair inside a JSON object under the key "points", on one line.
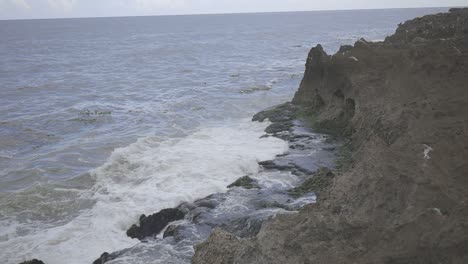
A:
{"points": [[153, 224], [105, 257], [245, 182], [433, 27], [279, 127], [345, 48], [170, 231], [361, 44], [403, 197], [272, 165], [315, 72], [281, 113]]}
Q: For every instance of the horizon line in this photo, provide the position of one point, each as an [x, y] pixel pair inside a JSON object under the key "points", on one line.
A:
{"points": [[234, 13]]}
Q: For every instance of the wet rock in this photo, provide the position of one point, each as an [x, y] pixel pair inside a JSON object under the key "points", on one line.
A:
{"points": [[209, 202], [34, 261], [153, 224], [279, 127], [274, 204], [244, 227], [318, 182], [170, 231], [272, 165], [277, 114], [245, 182], [105, 257]]}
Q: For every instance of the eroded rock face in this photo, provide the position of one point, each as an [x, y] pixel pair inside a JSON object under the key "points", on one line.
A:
{"points": [[404, 105]]}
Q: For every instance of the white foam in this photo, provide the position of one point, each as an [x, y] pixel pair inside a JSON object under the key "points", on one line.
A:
{"points": [[145, 177]]}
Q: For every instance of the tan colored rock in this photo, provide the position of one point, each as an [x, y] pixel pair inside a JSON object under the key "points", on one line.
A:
{"points": [[404, 197]]}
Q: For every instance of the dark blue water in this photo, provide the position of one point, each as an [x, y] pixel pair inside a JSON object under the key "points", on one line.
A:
{"points": [[104, 119]]}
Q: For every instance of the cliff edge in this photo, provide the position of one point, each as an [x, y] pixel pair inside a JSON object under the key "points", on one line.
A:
{"points": [[401, 195]]}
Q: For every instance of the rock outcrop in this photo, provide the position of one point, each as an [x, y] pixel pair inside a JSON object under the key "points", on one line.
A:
{"points": [[155, 223], [248, 203], [402, 195], [244, 182]]}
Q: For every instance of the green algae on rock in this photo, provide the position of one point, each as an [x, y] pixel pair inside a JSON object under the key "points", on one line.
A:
{"points": [[245, 182], [318, 182]]}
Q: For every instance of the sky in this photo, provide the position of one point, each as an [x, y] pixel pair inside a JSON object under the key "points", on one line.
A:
{"points": [[27, 9]]}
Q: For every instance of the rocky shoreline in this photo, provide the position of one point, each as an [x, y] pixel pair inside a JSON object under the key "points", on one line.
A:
{"points": [[283, 186], [378, 132], [399, 193]]}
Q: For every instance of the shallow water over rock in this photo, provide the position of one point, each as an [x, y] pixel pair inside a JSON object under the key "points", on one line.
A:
{"points": [[251, 200]]}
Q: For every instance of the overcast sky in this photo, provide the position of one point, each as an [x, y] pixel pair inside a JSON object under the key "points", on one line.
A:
{"points": [[14, 9]]}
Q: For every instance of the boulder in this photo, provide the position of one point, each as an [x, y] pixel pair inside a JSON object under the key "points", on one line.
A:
{"points": [[153, 224], [245, 182]]}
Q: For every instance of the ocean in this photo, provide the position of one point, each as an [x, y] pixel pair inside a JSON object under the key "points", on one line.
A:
{"points": [[104, 119]]}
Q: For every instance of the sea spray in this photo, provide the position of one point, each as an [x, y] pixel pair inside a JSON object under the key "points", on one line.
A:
{"points": [[145, 177]]}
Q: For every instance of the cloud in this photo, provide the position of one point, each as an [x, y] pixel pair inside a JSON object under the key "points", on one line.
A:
{"points": [[21, 3], [86, 8], [161, 4], [66, 5]]}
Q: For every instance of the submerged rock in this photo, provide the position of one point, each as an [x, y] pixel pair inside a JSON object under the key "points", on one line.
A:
{"points": [[153, 224], [105, 257], [279, 127], [245, 182], [34, 261]]}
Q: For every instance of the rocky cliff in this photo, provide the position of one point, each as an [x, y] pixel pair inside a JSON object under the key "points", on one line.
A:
{"points": [[401, 194]]}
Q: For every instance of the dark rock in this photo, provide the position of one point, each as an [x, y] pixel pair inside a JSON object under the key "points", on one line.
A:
{"points": [[105, 257], [170, 231], [280, 113], [34, 261], [316, 69], [272, 165], [153, 224], [345, 48], [279, 127], [245, 182], [458, 10], [273, 204], [362, 43]]}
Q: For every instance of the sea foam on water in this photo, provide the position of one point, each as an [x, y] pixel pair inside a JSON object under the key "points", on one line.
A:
{"points": [[145, 177]]}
